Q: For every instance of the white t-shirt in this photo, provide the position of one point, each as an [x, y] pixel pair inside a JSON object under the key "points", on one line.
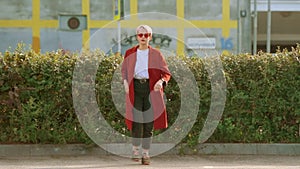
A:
{"points": [[141, 66]]}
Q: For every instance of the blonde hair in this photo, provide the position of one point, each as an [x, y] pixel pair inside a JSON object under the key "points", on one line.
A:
{"points": [[145, 27]]}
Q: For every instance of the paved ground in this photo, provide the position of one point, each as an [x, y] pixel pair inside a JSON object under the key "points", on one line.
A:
{"points": [[159, 162]]}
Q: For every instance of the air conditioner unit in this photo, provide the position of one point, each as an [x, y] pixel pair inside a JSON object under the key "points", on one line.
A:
{"points": [[72, 22]]}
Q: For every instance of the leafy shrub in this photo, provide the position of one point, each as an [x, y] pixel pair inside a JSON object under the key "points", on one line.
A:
{"points": [[262, 101]]}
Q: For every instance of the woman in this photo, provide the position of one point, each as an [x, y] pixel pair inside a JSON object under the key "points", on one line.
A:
{"points": [[144, 73]]}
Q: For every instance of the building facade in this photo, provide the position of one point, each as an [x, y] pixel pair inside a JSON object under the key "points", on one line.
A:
{"points": [[180, 26]]}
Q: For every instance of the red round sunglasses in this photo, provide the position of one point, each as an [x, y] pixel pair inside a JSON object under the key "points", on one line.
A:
{"points": [[146, 35]]}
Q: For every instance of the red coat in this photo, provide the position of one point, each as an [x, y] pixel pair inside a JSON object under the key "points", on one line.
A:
{"points": [[157, 69]]}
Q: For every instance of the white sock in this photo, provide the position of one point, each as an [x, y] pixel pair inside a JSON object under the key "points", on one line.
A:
{"points": [[135, 148], [145, 152]]}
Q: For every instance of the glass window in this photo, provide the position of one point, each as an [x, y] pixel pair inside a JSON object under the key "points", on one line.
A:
{"points": [[16, 9], [157, 6], [51, 9], [12, 36], [203, 10], [101, 10]]}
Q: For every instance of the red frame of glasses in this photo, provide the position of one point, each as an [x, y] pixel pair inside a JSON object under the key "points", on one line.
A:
{"points": [[146, 35]]}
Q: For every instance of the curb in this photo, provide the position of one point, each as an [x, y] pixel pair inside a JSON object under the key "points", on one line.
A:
{"points": [[251, 149], [202, 149]]}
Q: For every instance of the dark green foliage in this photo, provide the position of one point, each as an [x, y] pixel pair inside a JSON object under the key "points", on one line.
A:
{"points": [[262, 102]]}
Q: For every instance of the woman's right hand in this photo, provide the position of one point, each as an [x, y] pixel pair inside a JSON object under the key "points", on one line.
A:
{"points": [[126, 86]]}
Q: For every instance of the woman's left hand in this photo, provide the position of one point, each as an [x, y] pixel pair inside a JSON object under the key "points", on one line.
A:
{"points": [[158, 85]]}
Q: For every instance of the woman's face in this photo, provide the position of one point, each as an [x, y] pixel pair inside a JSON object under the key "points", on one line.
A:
{"points": [[143, 37]]}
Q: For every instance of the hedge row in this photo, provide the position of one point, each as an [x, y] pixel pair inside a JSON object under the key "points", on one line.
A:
{"points": [[262, 96]]}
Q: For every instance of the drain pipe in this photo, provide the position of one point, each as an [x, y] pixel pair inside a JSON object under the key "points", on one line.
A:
{"points": [[255, 28], [269, 27]]}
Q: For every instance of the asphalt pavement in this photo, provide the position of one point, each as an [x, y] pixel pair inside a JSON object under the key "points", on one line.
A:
{"points": [[157, 162]]}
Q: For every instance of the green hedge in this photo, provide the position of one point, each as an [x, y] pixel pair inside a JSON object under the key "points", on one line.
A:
{"points": [[262, 97]]}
